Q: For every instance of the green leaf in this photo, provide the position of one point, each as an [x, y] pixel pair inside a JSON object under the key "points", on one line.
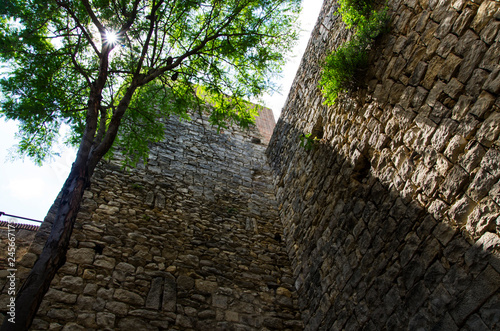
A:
{"points": [[58, 66]]}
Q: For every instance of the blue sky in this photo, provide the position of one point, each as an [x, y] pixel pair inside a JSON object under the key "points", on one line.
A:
{"points": [[28, 190]]}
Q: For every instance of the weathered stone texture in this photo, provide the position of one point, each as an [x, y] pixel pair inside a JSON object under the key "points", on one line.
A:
{"points": [[15, 242], [191, 240], [386, 217]]}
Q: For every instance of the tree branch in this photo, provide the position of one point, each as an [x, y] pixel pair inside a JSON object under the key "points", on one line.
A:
{"points": [[148, 37], [93, 17], [79, 24], [77, 65]]}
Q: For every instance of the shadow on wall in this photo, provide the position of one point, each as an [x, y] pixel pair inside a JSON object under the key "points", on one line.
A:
{"points": [[367, 257], [190, 241]]}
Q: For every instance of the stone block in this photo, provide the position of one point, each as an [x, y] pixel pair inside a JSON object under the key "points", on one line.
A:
{"points": [[455, 148], [454, 88], [446, 24], [472, 57], [446, 46], [450, 67], [489, 131], [104, 262], [87, 320], [489, 32], [435, 93], [61, 314], [433, 69], [463, 21], [426, 129], [399, 44], [483, 217], [128, 297], [434, 275], [481, 185], [422, 20], [153, 300], [443, 133], [442, 165], [185, 283], [491, 162], [476, 82], [428, 34], [468, 127], [473, 156], [461, 209], [117, 308], [464, 43], [490, 59], [105, 320], [401, 24], [80, 255], [73, 284], [396, 92], [486, 284], [439, 300], [484, 14], [492, 83], [454, 183], [419, 97], [205, 286], [462, 107], [60, 296], [411, 243]]}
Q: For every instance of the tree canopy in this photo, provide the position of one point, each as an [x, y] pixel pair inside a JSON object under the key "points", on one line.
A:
{"points": [[112, 69], [140, 53]]}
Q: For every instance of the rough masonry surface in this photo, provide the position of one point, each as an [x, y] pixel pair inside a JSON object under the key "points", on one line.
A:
{"points": [[191, 241], [392, 220]]}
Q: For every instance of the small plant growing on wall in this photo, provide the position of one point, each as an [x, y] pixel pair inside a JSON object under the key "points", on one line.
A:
{"points": [[343, 66], [310, 140], [307, 141], [138, 187]]}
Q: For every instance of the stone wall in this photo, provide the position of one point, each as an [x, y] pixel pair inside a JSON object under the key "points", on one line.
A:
{"points": [[190, 241], [265, 124], [21, 235], [392, 220]]}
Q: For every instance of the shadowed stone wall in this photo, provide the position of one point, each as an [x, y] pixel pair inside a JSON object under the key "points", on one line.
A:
{"points": [[191, 241], [392, 220], [21, 236]]}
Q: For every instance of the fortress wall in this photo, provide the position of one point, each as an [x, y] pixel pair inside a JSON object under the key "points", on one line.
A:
{"points": [[392, 220], [15, 241], [190, 241]]}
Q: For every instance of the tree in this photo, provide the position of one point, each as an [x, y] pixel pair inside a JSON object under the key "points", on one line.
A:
{"points": [[111, 69]]}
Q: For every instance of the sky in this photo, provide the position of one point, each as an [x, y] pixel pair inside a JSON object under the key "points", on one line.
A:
{"points": [[28, 190]]}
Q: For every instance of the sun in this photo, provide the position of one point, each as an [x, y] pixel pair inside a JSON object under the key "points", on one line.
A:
{"points": [[111, 37]]}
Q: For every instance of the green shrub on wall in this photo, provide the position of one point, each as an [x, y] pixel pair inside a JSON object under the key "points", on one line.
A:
{"points": [[353, 10], [343, 66]]}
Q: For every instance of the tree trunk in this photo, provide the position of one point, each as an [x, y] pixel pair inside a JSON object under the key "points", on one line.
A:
{"points": [[53, 256]]}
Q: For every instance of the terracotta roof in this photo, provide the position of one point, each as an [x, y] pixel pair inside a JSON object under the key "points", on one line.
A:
{"points": [[23, 226]]}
